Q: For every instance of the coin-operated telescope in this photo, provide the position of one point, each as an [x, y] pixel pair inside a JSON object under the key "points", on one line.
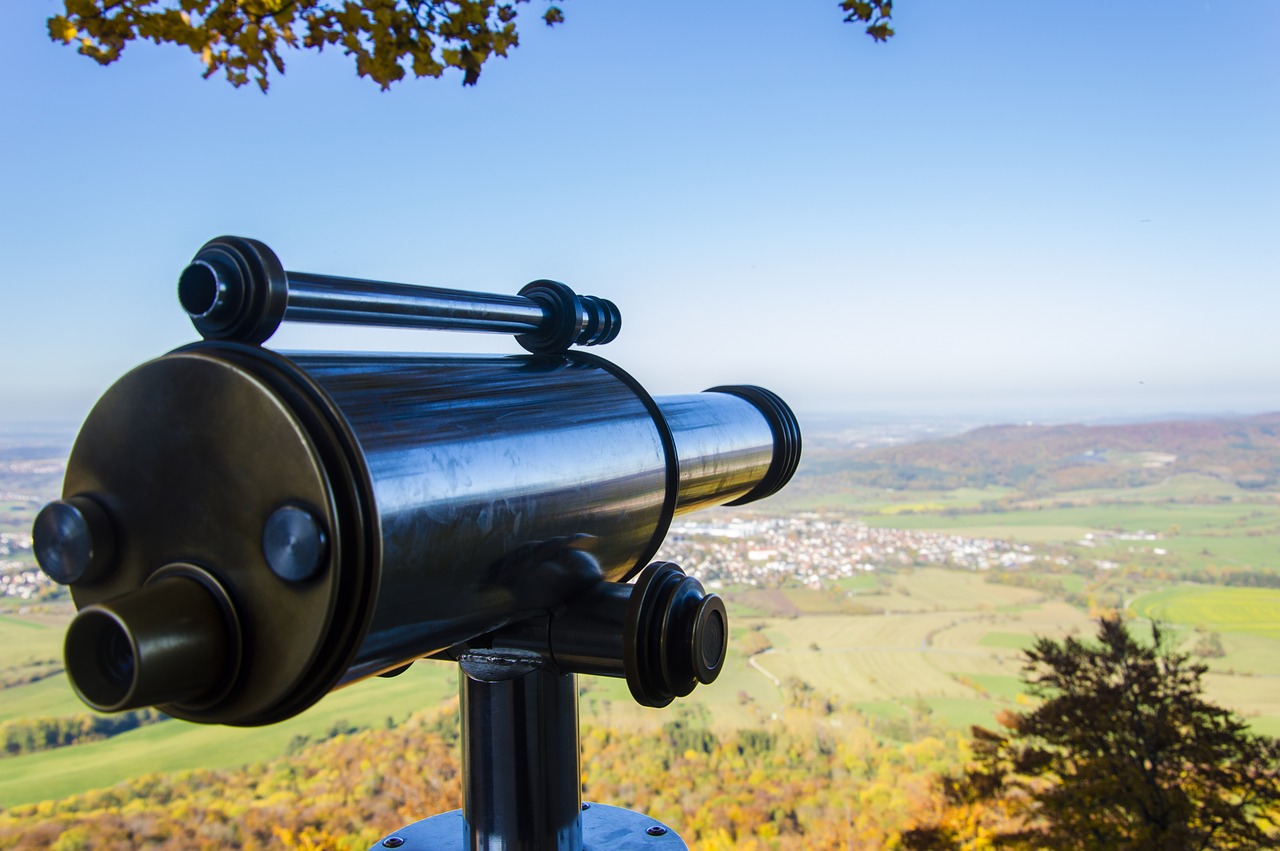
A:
{"points": [[244, 531]]}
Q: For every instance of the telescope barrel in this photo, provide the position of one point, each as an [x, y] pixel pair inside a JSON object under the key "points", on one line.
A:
{"points": [[236, 289], [363, 511], [723, 442]]}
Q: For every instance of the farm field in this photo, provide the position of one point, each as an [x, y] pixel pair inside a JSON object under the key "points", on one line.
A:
{"points": [[948, 654], [1127, 516], [1254, 611]]}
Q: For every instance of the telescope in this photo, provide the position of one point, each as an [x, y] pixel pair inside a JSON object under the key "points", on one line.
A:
{"points": [[244, 530]]}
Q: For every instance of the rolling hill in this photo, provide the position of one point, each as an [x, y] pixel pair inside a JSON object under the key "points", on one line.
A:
{"points": [[1244, 451]]}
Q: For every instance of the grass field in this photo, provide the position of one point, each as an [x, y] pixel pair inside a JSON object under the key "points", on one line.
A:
{"points": [[47, 698], [1250, 610], [178, 745], [1007, 640], [24, 640], [1132, 517]]}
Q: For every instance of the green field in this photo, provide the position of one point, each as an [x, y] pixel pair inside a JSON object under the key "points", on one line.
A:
{"points": [[1249, 610], [1238, 518], [1007, 640], [26, 639], [178, 745]]}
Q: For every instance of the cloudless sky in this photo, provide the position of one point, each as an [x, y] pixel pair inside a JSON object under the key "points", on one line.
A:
{"points": [[1011, 209]]}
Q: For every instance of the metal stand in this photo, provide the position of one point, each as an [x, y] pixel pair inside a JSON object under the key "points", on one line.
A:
{"points": [[522, 778], [519, 688], [520, 757]]}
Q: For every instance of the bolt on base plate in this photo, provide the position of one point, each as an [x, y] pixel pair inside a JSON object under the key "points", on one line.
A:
{"points": [[604, 828]]}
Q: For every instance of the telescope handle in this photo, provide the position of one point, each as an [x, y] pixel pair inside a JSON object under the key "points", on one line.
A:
{"points": [[237, 289]]}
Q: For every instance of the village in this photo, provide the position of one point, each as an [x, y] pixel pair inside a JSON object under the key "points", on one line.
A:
{"points": [[817, 551]]}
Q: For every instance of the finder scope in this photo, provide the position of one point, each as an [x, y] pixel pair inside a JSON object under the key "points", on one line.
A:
{"points": [[244, 530]]}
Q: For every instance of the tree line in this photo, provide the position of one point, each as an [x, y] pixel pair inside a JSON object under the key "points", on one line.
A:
{"points": [[29, 735]]}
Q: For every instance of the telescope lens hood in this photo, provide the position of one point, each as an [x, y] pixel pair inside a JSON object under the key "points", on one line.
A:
{"points": [[786, 438]]}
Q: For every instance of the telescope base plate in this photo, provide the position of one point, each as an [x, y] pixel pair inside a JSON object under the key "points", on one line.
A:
{"points": [[604, 828]]}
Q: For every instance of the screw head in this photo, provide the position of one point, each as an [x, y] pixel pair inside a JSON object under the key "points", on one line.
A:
{"points": [[656, 830], [392, 842], [294, 543]]}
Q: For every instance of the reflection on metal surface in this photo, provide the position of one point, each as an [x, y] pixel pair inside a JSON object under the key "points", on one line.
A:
{"points": [[520, 752], [381, 498]]}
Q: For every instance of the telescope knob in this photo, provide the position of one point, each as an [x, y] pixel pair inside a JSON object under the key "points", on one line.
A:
{"points": [[676, 635], [572, 319], [73, 540]]}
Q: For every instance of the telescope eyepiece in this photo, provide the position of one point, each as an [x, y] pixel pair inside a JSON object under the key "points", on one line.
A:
{"points": [[129, 652], [204, 290], [117, 656], [103, 643], [234, 289]]}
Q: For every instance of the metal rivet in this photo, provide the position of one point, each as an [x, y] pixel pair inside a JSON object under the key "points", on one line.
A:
{"points": [[657, 830], [294, 543], [392, 842]]}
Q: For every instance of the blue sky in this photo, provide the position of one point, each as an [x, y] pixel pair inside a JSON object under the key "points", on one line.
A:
{"points": [[1012, 209]]}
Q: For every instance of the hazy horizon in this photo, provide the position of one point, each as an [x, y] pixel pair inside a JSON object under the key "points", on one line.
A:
{"points": [[816, 422]]}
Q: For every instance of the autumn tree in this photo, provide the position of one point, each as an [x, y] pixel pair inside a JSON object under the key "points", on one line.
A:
{"points": [[1124, 752], [245, 39]]}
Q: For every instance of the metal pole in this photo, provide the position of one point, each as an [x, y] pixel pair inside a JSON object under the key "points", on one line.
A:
{"points": [[520, 759]]}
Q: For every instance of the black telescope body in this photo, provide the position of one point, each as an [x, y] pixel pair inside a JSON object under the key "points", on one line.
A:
{"points": [[245, 530], [346, 514]]}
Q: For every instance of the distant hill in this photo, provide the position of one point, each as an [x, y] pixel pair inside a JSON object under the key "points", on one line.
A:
{"points": [[1242, 450]]}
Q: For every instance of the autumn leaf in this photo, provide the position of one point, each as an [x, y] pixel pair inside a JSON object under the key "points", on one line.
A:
{"points": [[246, 40]]}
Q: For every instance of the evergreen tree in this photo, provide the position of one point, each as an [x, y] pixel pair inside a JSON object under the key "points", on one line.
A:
{"points": [[1124, 752]]}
